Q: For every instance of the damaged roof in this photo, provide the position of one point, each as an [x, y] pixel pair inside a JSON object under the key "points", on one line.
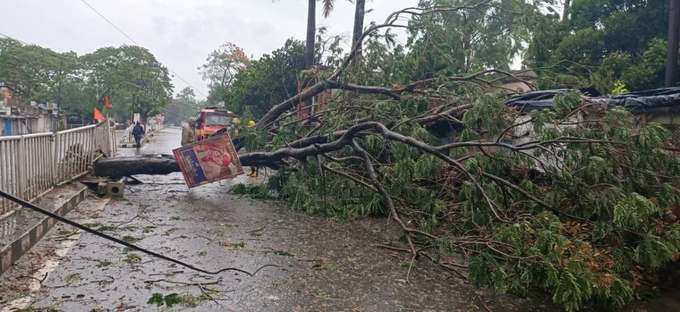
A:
{"points": [[646, 101]]}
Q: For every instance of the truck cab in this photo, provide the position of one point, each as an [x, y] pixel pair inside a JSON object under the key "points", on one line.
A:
{"points": [[209, 121]]}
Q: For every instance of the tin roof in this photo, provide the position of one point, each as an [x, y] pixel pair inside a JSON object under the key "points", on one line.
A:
{"points": [[646, 101]]}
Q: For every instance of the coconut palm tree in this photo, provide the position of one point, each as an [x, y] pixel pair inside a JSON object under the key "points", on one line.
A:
{"points": [[311, 27], [311, 33], [359, 14]]}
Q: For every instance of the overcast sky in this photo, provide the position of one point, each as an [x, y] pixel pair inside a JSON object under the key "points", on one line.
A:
{"points": [[180, 33]]}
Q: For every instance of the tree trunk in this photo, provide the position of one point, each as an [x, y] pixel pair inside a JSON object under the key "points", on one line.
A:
{"points": [[566, 10], [310, 45], [119, 167], [359, 14], [311, 34], [672, 55]]}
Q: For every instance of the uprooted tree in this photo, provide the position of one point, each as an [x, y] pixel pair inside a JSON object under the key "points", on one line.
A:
{"points": [[580, 201]]}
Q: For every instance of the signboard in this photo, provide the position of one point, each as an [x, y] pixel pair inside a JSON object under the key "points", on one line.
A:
{"points": [[209, 160]]}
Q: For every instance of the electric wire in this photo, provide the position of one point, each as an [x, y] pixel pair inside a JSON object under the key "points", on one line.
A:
{"points": [[65, 220], [135, 42]]}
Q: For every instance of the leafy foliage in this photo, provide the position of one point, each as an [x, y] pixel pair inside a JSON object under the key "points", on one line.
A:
{"points": [[135, 81], [586, 218], [267, 80], [185, 300], [468, 41], [131, 76], [164, 300], [221, 67], [603, 41], [183, 107]]}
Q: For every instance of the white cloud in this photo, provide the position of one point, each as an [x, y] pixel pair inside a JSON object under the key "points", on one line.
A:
{"points": [[180, 33]]}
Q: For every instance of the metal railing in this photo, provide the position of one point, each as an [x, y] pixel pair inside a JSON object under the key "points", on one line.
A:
{"points": [[32, 165]]}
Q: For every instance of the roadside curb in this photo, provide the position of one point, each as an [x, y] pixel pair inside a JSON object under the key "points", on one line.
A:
{"points": [[13, 252]]}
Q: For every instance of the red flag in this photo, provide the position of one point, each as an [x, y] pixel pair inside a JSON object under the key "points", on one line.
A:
{"points": [[107, 102], [98, 116]]}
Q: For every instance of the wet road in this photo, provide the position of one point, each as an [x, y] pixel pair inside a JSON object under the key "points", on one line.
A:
{"points": [[323, 265]]}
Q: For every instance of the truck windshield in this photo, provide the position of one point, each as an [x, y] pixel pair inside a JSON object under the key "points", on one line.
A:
{"points": [[216, 119]]}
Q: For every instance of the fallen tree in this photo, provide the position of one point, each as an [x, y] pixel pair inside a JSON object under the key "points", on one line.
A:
{"points": [[119, 167], [579, 200]]}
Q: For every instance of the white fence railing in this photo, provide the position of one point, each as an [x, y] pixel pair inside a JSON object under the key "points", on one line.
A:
{"points": [[33, 164]]}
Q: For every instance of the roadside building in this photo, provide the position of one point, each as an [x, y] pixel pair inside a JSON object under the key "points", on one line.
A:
{"points": [[661, 106], [19, 119]]}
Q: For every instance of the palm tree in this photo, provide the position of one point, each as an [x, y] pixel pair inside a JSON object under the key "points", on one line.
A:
{"points": [[311, 33], [359, 14], [311, 28], [566, 10], [327, 7], [310, 44]]}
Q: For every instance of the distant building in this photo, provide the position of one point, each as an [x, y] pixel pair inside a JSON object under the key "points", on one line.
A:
{"points": [[20, 119]]}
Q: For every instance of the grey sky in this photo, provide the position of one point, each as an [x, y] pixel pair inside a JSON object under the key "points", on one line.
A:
{"points": [[180, 33]]}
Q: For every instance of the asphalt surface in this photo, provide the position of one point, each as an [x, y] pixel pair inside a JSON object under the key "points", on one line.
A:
{"points": [[321, 264]]}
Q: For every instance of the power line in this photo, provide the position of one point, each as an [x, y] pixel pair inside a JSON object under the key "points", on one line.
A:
{"points": [[70, 222], [135, 42], [109, 21]]}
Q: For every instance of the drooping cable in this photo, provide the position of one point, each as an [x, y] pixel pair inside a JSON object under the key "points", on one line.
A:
{"points": [[62, 219]]}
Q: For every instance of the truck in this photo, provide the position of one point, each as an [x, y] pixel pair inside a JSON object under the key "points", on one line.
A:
{"points": [[209, 121]]}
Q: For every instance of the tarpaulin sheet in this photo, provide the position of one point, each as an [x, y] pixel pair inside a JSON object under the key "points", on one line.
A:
{"points": [[637, 102]]}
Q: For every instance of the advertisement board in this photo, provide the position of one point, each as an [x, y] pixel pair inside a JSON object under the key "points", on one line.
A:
{"points": [[209, 160]]}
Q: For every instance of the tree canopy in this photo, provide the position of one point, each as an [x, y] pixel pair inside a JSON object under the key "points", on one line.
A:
{"points": [[221, 68], [601, 44], [183, 107], [577, 201], [131, 76]]}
